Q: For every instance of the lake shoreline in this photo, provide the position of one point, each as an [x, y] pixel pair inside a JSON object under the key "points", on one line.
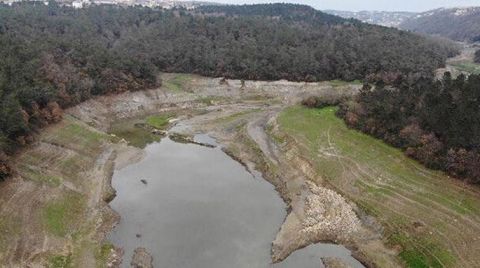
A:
{"points": [[207, 106]]}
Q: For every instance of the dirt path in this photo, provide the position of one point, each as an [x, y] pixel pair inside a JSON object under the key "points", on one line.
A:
{"points": [[256, 131]]}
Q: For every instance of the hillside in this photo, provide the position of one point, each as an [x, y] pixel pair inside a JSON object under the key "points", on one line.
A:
{"points": [[319, 46], [461, 24], [435, 122], [383, 18], [431, 219], [54, 56]]}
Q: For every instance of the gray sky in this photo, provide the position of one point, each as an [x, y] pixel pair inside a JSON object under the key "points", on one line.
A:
{"points": [[357, 5]]}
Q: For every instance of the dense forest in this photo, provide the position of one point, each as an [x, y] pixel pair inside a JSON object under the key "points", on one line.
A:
{"points": [[53, 57], [435, 122], [461, 24]]}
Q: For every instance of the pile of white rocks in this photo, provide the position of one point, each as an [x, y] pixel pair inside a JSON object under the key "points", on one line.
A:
{"points": [[328, 213]]}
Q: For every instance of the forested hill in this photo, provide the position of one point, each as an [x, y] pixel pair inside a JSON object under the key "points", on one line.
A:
{"points": [[52, 57], [461, 24], [287, 12], [323, 46]]}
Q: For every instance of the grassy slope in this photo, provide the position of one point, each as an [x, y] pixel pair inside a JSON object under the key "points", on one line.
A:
{"points": [[434, 219], [61, 216], [73, 148], [176, 82]]}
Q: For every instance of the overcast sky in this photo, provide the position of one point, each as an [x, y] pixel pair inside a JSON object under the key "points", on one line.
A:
{"points": [[357, 5]]}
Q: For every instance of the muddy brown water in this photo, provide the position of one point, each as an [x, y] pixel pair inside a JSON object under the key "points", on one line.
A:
{"points": [[197, 207]]}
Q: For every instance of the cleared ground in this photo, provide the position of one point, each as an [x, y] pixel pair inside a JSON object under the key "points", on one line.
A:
{"points": [[433, 218]]}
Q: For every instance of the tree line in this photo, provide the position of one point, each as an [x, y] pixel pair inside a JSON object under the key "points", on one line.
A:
{"points": [[435, 122], [477, 56], [52, 56]]}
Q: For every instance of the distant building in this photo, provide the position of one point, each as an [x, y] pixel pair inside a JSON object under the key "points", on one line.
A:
{"points": [[77, 4], [147, 3]]}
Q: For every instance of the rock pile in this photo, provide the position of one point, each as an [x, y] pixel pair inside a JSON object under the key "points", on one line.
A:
{"points": [[327, 212]]}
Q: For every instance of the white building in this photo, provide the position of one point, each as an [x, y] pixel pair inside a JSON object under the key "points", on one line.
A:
{"points": [[77, 4]]}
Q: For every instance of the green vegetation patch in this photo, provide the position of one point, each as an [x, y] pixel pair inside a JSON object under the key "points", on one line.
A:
{"points": [[158, 121], [36, 174], [60, 261], [102, 253], [139, 132], [137, 137], [74, 135], [387, 184], [37, 165], [52, 165], [60, 217], [342, 83], [416, 252], [177, 83], [211, 100], [72, 166]]}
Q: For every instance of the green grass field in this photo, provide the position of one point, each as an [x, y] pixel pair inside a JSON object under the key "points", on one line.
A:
{"points": [[158, 121], [59, 261], [467, 66], [61, 216], [435, 219], [44, 166]]}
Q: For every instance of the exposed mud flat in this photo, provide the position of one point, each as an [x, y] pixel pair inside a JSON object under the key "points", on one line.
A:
{"points": [[237, 116]]}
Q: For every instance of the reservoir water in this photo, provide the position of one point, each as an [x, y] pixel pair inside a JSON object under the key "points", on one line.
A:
{"points": [[194, 207]]}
